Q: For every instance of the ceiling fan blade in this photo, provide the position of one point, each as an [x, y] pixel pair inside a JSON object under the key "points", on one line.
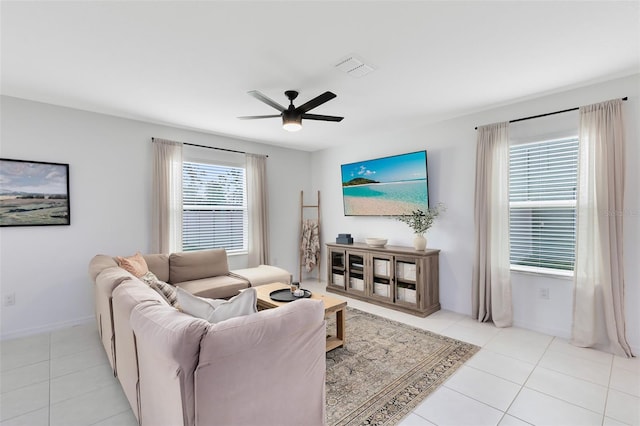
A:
{"points": [[315, 102], [259, 96], [254, 117], [321, 117]]}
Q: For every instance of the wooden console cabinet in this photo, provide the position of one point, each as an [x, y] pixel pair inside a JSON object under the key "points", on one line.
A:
{"points": [[392, 276]]}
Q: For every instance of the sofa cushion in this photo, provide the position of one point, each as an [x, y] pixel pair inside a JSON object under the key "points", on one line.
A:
{"points": [[159, 265], [167, 291], [195, 265], [217, 310], [221, 287], [263, 274], [135, 264], [271, 366]]}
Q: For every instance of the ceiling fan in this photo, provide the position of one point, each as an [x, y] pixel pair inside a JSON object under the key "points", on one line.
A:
{"points": [[292, 116]]}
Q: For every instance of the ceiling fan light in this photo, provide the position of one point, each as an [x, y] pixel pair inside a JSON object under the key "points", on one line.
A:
{"points": [[291, 124], [292, 127]]}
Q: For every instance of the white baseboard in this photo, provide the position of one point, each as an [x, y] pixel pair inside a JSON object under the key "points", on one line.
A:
{"points": [[550, 331], [25, 332], [563, 334]]}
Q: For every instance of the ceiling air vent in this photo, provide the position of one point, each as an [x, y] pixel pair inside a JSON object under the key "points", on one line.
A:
{"points": [[354, 66]]}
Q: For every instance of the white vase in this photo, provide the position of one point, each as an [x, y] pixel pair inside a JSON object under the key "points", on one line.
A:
{"points": [[419, 242]]}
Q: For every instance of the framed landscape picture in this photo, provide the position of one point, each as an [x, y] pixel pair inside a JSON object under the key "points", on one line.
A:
{"points": [[33, 193]]}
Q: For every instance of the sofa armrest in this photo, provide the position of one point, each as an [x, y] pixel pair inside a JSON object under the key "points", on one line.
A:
{"points": [[168, 344], [261, 365], [125, 297], [106, 282], [99, 263]]}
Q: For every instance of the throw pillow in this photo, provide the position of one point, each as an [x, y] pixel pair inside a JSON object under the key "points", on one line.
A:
{"points": [[166, 290], [216, 310], [135, 264]]}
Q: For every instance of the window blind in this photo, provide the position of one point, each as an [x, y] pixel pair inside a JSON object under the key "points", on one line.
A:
{"points": [[214, 207], [542, 200]]}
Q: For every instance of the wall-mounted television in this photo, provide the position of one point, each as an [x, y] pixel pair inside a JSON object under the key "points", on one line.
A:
{"points": [[388, 186]]}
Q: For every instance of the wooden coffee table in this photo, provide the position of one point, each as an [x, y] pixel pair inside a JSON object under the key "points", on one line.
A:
{"points": [[331, 305]]}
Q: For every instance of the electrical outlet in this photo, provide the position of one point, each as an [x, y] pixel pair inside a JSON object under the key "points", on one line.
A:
{"points": [[544, 293], [9, 299]]}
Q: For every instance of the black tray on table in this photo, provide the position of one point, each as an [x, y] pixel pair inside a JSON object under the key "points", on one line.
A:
{"points": [[285, 295]]}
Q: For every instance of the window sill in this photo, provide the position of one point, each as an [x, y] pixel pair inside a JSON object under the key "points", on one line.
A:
{"points": [[549, 273], [238, 253]]}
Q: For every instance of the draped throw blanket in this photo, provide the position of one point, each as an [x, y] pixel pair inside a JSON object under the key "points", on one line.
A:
{"points": [[310, 244]]}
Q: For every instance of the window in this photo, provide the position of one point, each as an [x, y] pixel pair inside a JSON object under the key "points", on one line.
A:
{"points": [[542, 203], [214, 207]]}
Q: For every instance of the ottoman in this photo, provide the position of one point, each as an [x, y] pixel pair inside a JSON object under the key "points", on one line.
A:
{"points": [[264, 274]]}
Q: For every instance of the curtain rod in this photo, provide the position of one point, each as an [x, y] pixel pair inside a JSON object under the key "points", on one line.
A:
{"points": [[212, 147], [549, 113]]}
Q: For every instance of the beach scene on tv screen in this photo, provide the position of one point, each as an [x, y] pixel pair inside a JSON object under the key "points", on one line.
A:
{"points": [[386, 186]]}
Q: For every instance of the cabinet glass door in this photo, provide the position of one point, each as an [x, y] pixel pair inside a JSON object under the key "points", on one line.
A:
{"points": [[355, 272], [406, 277], [382, 273], [337, 270]]}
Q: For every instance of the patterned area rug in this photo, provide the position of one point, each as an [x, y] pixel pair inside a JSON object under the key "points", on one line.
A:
{"points": [[386, 369]]}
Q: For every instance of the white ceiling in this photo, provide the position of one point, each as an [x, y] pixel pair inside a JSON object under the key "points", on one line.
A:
{"points": [[190, 64]]}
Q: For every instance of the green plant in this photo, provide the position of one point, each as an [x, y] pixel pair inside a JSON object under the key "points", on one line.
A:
{"points": [[420, 221]]}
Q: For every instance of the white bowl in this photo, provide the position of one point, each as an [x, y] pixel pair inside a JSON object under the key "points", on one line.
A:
{"points": [[376, 242]]}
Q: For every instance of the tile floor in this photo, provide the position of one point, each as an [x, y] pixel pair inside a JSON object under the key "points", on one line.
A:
{"points": [[519, 377], [60, 378]]}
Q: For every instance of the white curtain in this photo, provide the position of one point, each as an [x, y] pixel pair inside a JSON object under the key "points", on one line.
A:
{"points": [[167, 196], [598, 314], [491, 281], [258, 212]]}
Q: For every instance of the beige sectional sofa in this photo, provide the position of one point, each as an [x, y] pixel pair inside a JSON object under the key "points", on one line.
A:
{"points": [[204, 273], [265, 368]]}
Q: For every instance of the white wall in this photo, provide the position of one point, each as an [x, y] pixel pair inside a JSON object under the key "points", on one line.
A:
{"points": [[451, 153], [109, 157], [110, 181]]}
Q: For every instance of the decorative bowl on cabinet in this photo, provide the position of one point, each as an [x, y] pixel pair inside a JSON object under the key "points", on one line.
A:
{"points": [[376, 242]]}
